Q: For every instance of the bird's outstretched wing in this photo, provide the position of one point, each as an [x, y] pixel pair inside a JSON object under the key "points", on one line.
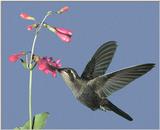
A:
{"points": [[100, 61], [107, 84]]}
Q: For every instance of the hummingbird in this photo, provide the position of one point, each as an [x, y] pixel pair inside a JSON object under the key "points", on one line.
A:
{"points": [[93, 87]]}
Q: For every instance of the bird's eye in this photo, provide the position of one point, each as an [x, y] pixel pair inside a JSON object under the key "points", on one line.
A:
{"points": [[68, 71]]}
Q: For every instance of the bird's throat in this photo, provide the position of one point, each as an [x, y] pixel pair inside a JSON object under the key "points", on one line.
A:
{"points": [[73, 85]]}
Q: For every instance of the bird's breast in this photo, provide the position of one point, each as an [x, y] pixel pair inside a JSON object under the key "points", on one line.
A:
{"points": [[89, 98]]}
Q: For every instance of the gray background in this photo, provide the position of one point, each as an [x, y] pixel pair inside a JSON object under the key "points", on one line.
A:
{"points": [[133, 24]]}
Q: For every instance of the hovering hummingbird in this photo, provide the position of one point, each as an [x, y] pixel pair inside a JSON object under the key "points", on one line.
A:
{"points": [[94, 86]]}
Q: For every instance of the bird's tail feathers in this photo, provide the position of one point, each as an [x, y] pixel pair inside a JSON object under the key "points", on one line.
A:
{"points": [[107, 105]]}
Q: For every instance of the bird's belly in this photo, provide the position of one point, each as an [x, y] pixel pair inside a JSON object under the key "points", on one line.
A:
{"points": [[90, 99]]}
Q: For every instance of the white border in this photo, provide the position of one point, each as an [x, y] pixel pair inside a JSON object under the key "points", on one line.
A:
{"points": [[82, 0]]}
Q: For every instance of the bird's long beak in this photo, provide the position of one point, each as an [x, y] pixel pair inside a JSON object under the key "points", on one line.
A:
{"points": [[60, 69], [56, 69]]}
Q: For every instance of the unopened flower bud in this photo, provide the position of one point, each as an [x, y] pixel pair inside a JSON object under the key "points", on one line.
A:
{"points": [[26, 16], [62, 10]]}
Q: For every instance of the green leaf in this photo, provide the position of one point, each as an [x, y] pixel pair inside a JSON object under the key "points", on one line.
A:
{"points": [[24, 127], [38, 122]]}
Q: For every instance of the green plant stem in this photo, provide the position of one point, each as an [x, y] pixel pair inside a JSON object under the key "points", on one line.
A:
{"points": [[30, 99], [31, 71]]}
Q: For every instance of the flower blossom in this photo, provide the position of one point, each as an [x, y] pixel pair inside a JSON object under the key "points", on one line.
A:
{"points": [[15, 57], [64, 34], [45, 63], [26, 16], [63, 37]]}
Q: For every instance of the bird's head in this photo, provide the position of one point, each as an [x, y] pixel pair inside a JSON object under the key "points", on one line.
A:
{"points": [[68, 73]]}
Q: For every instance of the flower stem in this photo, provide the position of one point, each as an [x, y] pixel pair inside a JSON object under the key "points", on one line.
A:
{"points": [[36, 34], [31, 70], [30, 99]]}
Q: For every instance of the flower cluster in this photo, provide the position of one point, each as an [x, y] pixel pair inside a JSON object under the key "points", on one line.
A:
{"points": [[46, 65], [64, 34]]}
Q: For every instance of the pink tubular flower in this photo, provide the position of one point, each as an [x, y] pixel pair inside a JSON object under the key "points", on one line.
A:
{"points": [[63, 37], [64, 34], [64, 31], [26, 16], [15, 57], [57, 63], [62, 10], [45, 63]]}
